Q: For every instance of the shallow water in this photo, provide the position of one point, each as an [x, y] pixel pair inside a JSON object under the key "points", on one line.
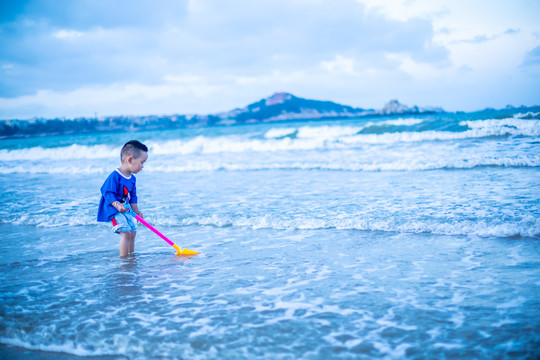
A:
{"points": [[334, 245], [277, 294]]}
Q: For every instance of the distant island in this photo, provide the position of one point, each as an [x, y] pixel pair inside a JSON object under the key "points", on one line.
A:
{"points": [[285, 107], [279, 107]]}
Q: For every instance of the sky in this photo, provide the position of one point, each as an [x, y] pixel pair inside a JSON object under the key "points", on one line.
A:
{"points": [[87, 58]]}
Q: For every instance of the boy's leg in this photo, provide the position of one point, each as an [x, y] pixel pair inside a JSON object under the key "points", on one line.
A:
{"points": [[132, 241], [124, 225], [125, 241]]}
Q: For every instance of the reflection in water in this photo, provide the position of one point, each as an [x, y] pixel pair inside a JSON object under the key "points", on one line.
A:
{"points": [[123, 281]]}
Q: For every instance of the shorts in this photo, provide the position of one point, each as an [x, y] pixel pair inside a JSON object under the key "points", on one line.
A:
{"points": [[123, 223]]}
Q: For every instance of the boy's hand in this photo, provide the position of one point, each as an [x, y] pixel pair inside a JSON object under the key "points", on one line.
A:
{"points": [[140, 214], [119, 206]]}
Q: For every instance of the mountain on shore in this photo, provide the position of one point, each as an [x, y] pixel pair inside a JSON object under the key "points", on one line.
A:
{"points": [[283, 106], [278, 107]]}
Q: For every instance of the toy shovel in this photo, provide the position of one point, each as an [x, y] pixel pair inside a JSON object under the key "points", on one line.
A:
{"points": [[179, 251]]}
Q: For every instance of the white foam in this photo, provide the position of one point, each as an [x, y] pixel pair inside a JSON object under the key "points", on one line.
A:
{"points": [[400, 122], [231, 144], [527, 227], [339, 137], [52, 169], [515, 302], [68, 347], [279, 132], [74, 151], [513, 126], [327, 132], [334, 131], [411, 162], [307, 138]]}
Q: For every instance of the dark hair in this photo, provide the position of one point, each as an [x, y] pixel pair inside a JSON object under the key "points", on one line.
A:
{"points": [[133, 148]]}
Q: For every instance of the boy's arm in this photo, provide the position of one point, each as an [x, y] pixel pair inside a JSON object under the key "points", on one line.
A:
{"points": [[109, 196], [136, 209], [108, 191]]}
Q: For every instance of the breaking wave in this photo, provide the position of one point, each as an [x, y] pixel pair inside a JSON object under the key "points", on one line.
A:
{"points": [[418, 164], [307, 137], [526, 227]]}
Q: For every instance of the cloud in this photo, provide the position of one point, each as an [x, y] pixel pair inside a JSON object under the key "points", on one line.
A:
{"points": [[339, 64], [479, 39], [532, 58], [67, 34], [63, 46], [303, 32], [135, 56], [465, 69], [512, 31], [115, 99]]}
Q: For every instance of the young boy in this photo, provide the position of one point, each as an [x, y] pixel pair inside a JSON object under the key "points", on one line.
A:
{"points": [[118, 190]]}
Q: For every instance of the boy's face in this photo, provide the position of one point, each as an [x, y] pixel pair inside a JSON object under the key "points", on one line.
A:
{"points": [[136, 164]]}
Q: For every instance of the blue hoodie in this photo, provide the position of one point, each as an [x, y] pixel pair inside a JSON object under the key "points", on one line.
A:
{"points": [[116, 188]]}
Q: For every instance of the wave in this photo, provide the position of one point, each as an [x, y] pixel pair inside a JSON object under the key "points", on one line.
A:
{"points": [[51, 169], [330, 132], [69, 348], [527, 227], [72, 152], [307, 137], [401, 122], [513, 126], [417, 164], [277, 133]]}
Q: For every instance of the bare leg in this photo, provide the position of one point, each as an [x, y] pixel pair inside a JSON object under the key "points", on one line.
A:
{"points": [[132, 242], [124, 243]]}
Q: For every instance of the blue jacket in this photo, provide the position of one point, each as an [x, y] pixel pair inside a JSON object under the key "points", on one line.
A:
{"points": [[116, 188]]}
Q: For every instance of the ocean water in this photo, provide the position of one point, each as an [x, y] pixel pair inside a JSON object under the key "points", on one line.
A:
{"points": [[383, 238]]}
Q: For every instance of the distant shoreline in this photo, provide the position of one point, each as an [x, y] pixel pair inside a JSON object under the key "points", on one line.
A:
{"points": [[278, 108]]}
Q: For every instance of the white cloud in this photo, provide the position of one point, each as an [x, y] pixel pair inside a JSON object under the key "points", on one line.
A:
{"points": [[406, 9], [459, 22], [130, 98], [339, 64], [67, 34]]}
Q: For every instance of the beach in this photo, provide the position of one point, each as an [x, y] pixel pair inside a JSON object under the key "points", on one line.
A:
{"points": [[387, 238]]}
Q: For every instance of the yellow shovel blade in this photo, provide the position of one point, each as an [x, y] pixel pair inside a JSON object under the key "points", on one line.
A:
{"points": [[184, 252]]}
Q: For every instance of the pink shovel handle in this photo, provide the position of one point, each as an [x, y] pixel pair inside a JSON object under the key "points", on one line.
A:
{"points": [[153, 229]]}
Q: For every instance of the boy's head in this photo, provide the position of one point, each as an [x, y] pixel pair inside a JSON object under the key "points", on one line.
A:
{"points": [[133, 155], [132, 148]]}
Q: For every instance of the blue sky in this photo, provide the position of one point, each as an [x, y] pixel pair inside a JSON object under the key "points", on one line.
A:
{"points": [[69, 58]]}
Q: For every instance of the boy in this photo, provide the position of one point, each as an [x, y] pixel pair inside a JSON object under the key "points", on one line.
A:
{"points": [[119, 189]]}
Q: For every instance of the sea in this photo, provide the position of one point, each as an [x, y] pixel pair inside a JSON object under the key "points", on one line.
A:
{"points": [[398, 237]]}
